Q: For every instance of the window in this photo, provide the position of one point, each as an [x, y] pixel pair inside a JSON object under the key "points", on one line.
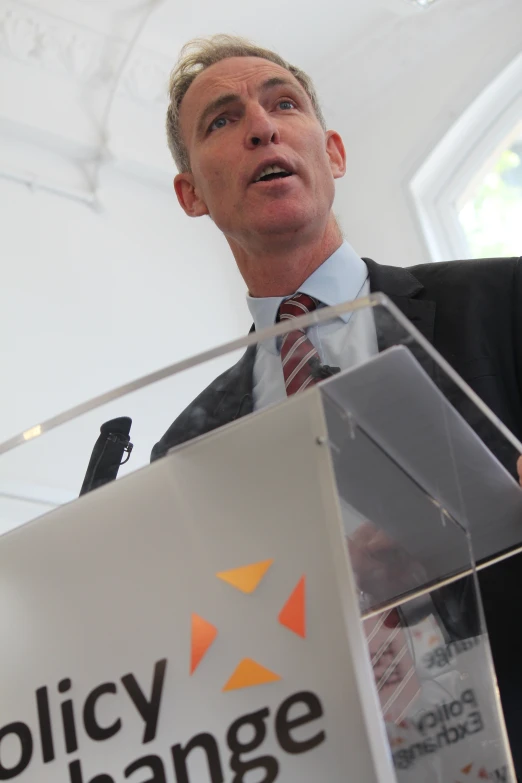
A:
{"points": [[490, 209], [468, 192]]}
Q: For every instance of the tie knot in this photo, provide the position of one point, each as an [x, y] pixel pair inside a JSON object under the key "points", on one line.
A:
{"points": [[300, 304]]}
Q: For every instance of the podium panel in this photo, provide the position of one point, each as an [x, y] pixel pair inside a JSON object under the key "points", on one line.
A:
{"points": [[413, 564], [289, 592], [182, 623]]}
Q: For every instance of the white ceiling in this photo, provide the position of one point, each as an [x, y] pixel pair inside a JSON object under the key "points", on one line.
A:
{"points": [[103, 64]]}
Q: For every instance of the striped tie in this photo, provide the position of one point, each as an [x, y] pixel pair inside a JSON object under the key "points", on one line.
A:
{"points": [[392, 664], [296, 349]]}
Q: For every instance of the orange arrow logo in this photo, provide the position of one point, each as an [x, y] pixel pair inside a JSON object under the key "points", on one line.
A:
{"points": [[292, 615], [246, 578], [203, 635], [248, 673]]}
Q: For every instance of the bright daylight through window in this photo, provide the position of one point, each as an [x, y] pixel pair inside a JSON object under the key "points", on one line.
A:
{"points": [[490, 208]]}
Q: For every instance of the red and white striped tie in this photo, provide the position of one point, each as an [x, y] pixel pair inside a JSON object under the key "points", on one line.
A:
{"points": [[392, 664], [296, 348], [393, 667]]}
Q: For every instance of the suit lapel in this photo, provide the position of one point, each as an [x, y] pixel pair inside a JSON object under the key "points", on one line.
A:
{"points": [[407, 293], [236, 398]]}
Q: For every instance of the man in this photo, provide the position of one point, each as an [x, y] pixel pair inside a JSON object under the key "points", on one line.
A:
{"points": [[253, 153]]}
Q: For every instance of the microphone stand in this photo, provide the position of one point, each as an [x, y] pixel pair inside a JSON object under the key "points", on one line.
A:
{"points": [[107, 454], [321, 371]]}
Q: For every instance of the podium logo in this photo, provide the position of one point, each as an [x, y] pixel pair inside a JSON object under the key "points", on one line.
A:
{"points": [[64, 725], [292, 616]]}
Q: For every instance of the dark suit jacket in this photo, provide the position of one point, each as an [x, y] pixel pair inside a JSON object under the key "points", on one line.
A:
{"points": [[471, 311]]}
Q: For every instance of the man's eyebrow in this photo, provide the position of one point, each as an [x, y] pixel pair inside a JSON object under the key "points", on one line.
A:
{"points": [[214, 106], [278, 81], [225, 100]]}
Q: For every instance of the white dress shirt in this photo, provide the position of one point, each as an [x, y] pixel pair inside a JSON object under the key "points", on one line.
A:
{"points": [[343, 342]]}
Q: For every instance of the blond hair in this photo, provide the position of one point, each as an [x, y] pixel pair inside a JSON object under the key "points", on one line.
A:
{"points": [[201, 53]]}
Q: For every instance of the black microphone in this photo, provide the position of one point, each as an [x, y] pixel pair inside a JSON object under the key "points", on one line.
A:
{"points": [[107, 454], [321, 371]]}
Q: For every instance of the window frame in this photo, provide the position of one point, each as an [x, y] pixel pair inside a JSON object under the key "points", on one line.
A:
{"points": [[448, 170]]}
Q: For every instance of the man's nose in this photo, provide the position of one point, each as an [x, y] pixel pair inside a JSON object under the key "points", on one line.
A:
{"points": [[261, 129]]}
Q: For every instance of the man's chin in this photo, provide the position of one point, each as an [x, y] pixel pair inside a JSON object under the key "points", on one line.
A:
{"points": [[279, 221]]}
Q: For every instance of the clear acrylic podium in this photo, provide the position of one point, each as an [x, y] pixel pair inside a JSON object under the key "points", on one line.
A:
{"points": [[289, 596]]}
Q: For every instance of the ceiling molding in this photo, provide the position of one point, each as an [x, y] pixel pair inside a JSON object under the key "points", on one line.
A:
{"points": [[75, 52], [118, 5], [146, 78]]}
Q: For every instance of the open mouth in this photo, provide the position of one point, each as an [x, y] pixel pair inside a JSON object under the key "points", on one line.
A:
{"points": [[270, 177], [271, 172]]}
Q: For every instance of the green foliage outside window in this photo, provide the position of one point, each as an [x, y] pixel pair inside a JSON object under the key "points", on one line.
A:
{"points": [[492, 217]]}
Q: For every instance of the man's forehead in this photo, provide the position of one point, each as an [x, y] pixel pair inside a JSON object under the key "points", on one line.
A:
{"points": [[235, 70], [231, 75]]}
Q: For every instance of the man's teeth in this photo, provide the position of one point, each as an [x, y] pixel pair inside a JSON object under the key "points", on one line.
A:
{"points": [[272, 170]]}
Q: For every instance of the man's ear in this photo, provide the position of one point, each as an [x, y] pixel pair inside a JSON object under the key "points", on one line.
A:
{"points": [[188, 195], [337, 154]]}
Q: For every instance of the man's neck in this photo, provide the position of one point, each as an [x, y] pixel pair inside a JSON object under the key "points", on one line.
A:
{"points": [[280, 269]]}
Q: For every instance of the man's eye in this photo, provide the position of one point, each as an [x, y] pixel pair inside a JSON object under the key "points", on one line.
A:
{"points": [[218, 123], [289, 104]]}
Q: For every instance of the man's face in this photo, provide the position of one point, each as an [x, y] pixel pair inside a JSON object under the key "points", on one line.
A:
{"points": [[239, 116]]}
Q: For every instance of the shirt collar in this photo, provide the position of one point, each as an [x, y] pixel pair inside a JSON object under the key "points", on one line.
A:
{"points": [[339, 279]]}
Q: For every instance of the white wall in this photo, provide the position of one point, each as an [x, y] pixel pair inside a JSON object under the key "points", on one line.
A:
{"points": [[91, 300]]}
